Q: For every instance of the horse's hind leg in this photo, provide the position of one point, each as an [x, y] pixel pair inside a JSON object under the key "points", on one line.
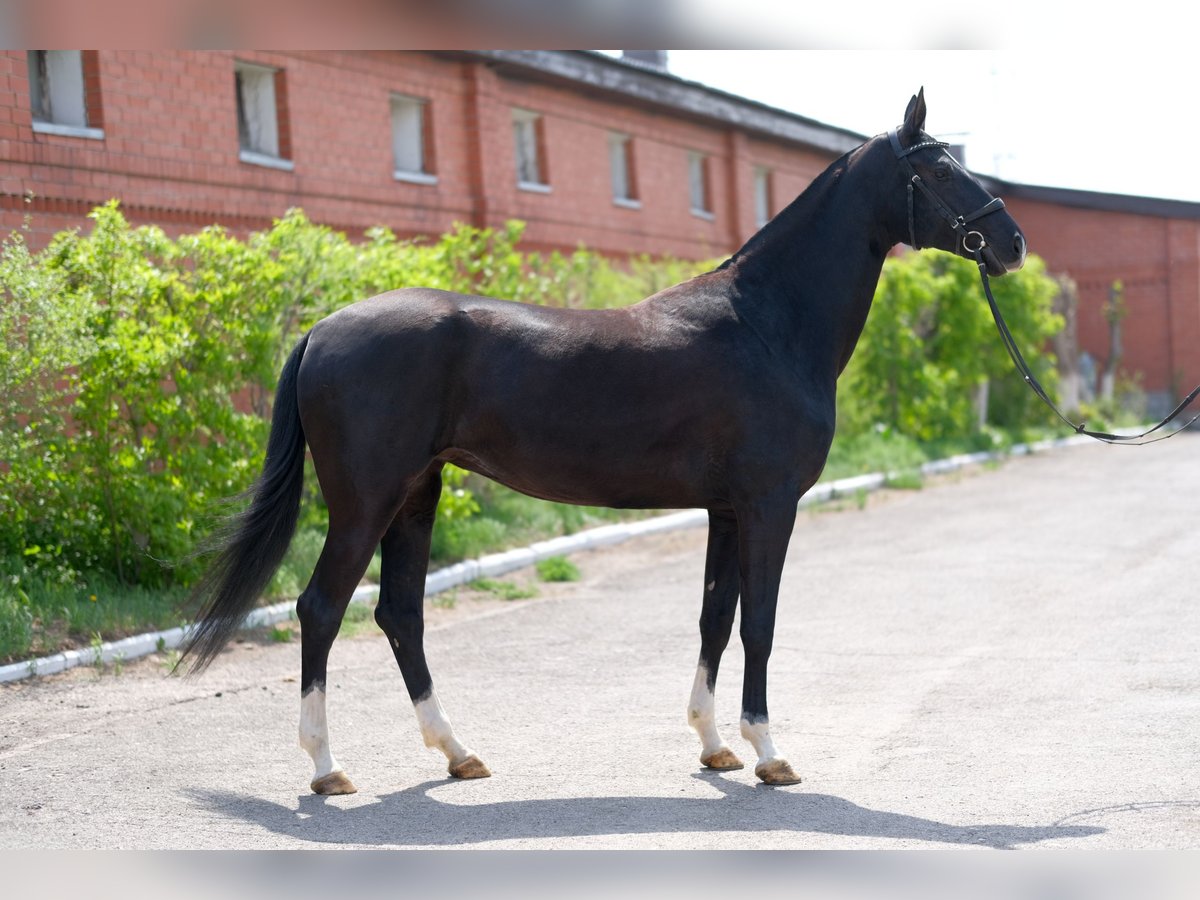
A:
{"points": [[716, 623], [400, 614], [344, 558]]}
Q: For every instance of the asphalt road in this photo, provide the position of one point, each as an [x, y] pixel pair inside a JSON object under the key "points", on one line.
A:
{"points": [[1002, 659]]}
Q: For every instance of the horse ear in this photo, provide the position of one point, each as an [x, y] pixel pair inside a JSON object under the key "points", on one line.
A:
{"points": [[914, 117]]}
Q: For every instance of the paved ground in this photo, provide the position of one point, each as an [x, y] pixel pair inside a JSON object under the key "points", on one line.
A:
{"points": [[1004, 659]]}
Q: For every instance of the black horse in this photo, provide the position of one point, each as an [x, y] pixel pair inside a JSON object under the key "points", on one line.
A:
{"points": [[717, 393]]}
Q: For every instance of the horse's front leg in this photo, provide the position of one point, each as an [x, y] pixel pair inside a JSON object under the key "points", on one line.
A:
{"points": [[764, 530], [716, 624]]}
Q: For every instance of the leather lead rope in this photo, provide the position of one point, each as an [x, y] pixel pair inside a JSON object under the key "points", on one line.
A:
{"points": [[1010, 345]]}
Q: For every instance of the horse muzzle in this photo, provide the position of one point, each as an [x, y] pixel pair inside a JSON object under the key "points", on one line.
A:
{"points": [[998, 261]]}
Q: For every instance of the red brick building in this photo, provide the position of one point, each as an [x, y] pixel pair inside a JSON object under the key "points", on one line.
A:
{"points": [[622, 157]]}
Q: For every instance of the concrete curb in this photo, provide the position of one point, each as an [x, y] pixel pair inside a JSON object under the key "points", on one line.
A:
{"points": [[501, 563]]}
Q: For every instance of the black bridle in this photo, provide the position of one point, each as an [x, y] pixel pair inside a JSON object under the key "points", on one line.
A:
{"points": [[973, 243]]}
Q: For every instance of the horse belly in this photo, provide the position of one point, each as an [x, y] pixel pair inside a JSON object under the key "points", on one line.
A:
{"points": [[595, 469], [594, 447]]}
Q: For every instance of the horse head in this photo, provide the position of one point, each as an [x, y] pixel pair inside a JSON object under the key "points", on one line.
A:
{"points": [[946, 206]]}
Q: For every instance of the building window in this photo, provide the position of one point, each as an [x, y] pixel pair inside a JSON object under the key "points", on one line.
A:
{"points": [[699, 186], [63, 93], [262, 129], [412, 144], [530, 144], [763, 202], [620, 163]]}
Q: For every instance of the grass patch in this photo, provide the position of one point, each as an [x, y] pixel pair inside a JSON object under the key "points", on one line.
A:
{"points": [[40, 616], [298, 564], [911, 480], [508, 519], [505, 590], [359, 619], [886, 450], [170, 664], [467, 539], [557, 568], [872, 451]]}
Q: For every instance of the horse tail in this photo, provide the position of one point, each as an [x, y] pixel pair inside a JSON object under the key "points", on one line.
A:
{"points": [[252, 544]]}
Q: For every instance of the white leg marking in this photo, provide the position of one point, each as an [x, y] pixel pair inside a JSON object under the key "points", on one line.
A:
{"points": [[759, 735], [436, 730], [772, 768], [314, 733], [701, 716]]}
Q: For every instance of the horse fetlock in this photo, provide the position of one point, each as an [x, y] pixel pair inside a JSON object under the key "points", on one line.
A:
{"points": [[758, 734]]}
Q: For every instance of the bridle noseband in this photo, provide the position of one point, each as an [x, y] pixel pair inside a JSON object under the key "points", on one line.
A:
{"points": [[972, 241]]}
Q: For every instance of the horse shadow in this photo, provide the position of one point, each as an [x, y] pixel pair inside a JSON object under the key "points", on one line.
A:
{"points": [[412, 817]]}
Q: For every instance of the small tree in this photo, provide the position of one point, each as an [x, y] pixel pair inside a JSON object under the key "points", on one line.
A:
{"points": [[1066, 344], [1114, 312], [929, 344]]}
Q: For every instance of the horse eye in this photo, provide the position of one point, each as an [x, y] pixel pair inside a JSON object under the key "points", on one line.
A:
{"points": [[942, 173]]}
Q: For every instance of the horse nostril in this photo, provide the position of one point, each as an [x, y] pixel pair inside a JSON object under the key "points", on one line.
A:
{"points": [[1019, 244]]}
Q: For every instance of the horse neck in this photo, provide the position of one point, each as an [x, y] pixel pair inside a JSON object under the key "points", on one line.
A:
{"points": [[808, 277]]}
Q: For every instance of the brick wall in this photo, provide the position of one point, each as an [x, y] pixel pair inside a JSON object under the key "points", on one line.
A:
{"points": [[170, 153], [170, 145]]}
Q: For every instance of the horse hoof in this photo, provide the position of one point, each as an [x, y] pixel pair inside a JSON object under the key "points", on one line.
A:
{"points": [[776, 771], [722, 760], [471, 767], [333, 783]]}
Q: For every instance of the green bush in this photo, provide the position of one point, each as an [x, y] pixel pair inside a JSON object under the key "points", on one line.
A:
{"points": [[929, 343]]}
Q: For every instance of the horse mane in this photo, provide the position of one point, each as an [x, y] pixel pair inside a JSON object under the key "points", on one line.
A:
{"points": [[805, 206]]}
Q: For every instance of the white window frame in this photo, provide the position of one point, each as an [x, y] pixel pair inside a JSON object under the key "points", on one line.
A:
{"points": [[763, 178], [258, 116], [58, 94], [527, 151], [620, 166], [699, 189], [410, 139]]}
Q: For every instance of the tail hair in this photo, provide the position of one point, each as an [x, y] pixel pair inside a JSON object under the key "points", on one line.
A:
{"points": [[251, 545]]}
